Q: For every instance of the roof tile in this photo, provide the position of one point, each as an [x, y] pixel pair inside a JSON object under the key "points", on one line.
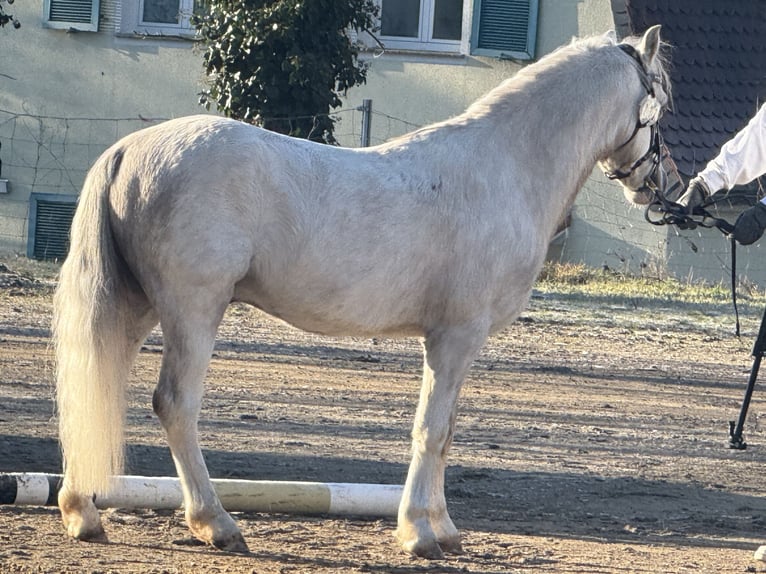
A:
{"points": [[718, 69]]}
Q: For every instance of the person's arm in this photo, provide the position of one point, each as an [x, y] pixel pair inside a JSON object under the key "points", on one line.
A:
{"points": [[741, 159]]}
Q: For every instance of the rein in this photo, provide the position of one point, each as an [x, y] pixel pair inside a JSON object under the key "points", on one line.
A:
{"points": [[672, 213]]}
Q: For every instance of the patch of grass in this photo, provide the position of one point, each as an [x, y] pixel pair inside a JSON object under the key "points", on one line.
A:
{"points": [[567, 278]]}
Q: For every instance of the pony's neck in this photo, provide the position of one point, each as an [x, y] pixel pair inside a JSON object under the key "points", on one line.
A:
{"points": [[561, 116]]}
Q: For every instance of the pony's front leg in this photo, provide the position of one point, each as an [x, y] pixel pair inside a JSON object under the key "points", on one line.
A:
{"points": [[424, 526], [177, 401]]}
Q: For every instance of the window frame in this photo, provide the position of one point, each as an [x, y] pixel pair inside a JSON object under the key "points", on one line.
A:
{"points": [[425, 42], [470, 40], [132, 24]]}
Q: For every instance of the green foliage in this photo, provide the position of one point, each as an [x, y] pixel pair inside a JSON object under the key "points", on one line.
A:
{"points": [[283, 64], [6, 18]]}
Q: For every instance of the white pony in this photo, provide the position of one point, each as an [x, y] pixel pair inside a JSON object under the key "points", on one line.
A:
{"points": [[438, 234]]}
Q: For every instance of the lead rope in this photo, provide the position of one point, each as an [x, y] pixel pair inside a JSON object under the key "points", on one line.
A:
{"points": [[734, 283], [672, 213]]}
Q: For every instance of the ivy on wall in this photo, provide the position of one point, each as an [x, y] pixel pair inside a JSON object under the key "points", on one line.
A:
{"points": [[283, 64]]}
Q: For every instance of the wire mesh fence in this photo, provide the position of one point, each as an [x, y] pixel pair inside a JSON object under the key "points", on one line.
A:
{"points": [[51, 155]]}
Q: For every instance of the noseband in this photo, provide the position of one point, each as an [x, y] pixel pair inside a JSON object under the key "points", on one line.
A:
{"points": [[654, 153]]}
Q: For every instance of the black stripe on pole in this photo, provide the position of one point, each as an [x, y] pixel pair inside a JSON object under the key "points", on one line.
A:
{"points": [[8, 489], [54, 485]]}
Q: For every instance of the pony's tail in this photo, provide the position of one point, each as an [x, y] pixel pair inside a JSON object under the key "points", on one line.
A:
{"points": [[90, 341]]}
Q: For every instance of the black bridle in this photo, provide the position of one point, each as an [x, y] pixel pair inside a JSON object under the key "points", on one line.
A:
{"points": [[670, 212], [661, 210], [654, 153]]}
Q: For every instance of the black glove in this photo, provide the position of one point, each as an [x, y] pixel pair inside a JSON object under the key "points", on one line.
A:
{"points": [[696, 192], [750, 224]]}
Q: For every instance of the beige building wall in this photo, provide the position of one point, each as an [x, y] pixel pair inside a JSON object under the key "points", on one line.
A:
{"points": [[66, 96]]}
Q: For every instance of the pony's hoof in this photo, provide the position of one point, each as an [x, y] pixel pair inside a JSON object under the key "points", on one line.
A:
{"points": [[220, 531], [424, 548], [428, 550], [451, 546], [78, 530], [97, 535], [235, 544], [81, 518]]}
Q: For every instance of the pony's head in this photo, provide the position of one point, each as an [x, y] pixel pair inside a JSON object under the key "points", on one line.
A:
{"points": [[637, 163]]}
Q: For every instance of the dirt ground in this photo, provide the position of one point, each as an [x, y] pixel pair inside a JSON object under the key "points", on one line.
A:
{"points": [[591, 439]]}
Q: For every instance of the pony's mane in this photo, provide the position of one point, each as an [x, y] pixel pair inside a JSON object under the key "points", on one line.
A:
{"points": [[556, 66], [535, 70], [557, 60]]}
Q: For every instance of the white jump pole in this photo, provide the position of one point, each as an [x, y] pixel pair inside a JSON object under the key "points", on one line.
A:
{"points": [[348, 499]]}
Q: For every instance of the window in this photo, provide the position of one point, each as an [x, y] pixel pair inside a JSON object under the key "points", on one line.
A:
{"points": [[422, 25], [497, 28], [160, 17], [79, 15], [504, 28]]}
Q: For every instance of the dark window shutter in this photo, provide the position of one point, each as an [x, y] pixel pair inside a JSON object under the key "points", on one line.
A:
{"points": [[505, 28], [71, 14], [50, 219]]}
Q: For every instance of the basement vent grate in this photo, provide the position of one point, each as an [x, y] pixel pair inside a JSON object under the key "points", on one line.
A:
{"points": [[50, 218]]}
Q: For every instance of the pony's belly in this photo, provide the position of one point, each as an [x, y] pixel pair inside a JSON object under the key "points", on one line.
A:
{"points": [[345, 326], [337, 316], [366, 309]]}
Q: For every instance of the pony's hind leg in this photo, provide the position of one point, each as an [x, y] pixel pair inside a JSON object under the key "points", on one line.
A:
{"points": [[189, 336], [78, 510], [424, 526], [79, 514]]}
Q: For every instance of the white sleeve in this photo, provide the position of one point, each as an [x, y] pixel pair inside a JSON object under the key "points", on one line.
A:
{"points": [[742, 158]]}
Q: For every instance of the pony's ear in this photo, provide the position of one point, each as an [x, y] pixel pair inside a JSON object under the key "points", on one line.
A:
{"points": [[610, 36], [649, 45]]}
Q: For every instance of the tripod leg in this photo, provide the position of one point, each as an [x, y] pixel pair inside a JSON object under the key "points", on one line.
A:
{"points": [[735, 430]]}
